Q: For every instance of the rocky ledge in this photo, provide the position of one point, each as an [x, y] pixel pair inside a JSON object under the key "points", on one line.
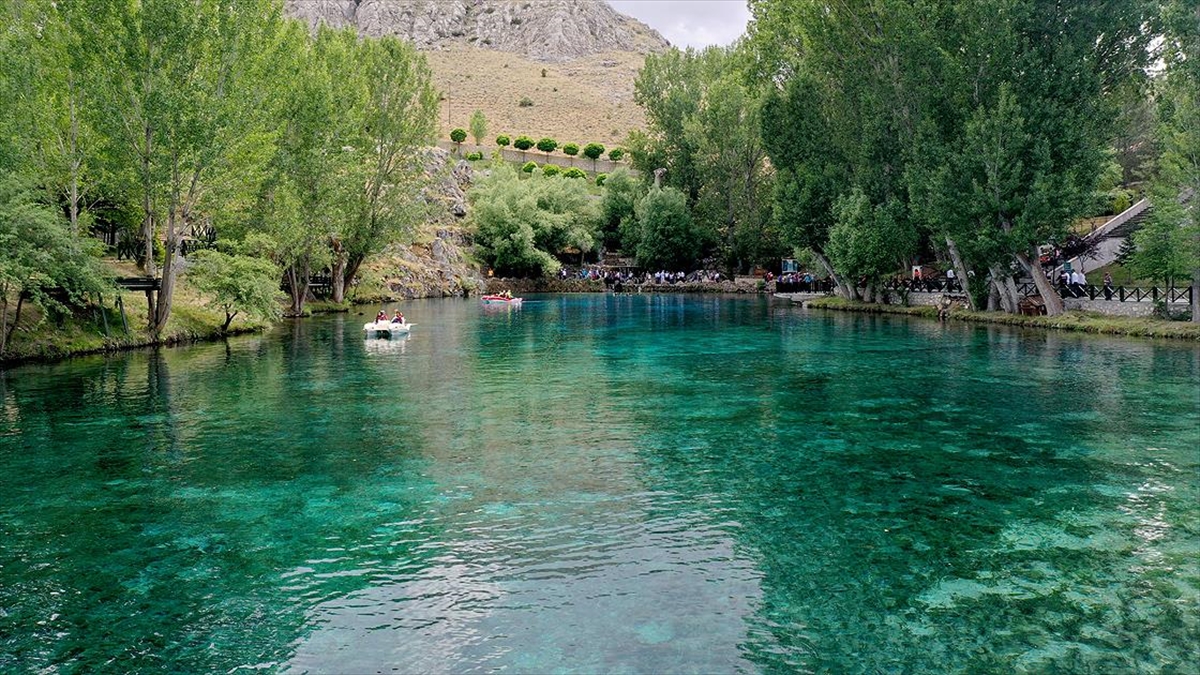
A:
{"points": [[543, 30]]}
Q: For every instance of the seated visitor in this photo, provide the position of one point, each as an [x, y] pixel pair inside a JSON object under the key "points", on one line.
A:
{"points": [[398, 318]]}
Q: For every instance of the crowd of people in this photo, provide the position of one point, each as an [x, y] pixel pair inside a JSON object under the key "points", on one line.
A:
{"points": [[611, 277]]}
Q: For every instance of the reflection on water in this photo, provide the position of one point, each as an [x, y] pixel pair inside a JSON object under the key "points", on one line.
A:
{"points": [[606, 484]]}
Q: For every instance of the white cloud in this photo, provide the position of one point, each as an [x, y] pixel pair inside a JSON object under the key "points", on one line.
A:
{"points": [[690, 23]]}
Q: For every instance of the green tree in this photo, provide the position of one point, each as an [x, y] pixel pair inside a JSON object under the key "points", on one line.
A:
{"points": [[182, 106], [523, 143], [40, 258], [616, 154], [399, 120], [619, 227], [547, 145], [667, 237], [1167, 248], [867, 239], [503, 141], [458, 135], [479, 126], [570, 150], [523, 224], [593, 151], [237, 284]]}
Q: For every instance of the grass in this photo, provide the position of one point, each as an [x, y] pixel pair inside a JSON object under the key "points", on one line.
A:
{"points": [[1084, 322], [40, 337]]}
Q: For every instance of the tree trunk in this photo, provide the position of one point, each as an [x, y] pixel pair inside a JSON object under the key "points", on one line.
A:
{"points": [[148, 214], [75, 163], [1007, 292], [337, 273], [961, 270], [3, 317], [993, 297], [166, 288], [228, 320], [1050, 297], [843, 289], [298, 287], [1196, 295], [16, 319]]}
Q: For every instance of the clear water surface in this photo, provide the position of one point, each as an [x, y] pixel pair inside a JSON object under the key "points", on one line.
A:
{"points": [[647, 484]]}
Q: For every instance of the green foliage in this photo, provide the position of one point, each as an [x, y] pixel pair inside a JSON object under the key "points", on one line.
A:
{"points": [[474, 156], [574, 172], [528, 167], [593, 151], [1168, 245], [40, 259], [479, 126], [503, 140], [868, 240], [237, 284], [601, 178], [550, 170], [525, 102], [616, 154], [570, 149], [523, 224], [523, 143], [458, 135], [619, 227], [704, 129], [667, 236], [547, 145]]}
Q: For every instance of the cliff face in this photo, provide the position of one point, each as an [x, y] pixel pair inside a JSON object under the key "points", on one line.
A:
{"points": [[543, 30]]}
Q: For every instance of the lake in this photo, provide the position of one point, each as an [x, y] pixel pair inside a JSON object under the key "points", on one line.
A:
{"points": [[635, 484]]}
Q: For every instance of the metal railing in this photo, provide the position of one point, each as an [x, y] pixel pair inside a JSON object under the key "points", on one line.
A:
{"points": [[1116, 293]]}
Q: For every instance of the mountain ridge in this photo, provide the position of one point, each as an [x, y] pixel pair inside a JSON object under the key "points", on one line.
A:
{"points": [[548, 31]]}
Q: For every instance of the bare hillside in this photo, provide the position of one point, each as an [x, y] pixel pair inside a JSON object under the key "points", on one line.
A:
{"points": [[586, 100]]}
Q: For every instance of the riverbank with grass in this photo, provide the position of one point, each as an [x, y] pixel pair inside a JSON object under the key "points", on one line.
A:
{"points": [[1084, 322]]}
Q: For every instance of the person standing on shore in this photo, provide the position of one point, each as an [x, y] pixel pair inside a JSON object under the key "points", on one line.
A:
{"points": [[1107, 286]]}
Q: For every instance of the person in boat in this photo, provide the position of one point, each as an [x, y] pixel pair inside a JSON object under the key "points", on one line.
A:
{"points": [[506, 294], [381, 316], [398, 318]]}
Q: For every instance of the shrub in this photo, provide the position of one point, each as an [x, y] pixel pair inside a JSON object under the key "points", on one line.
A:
{"points": [[523, 143], [528, 167], [525, 102], [616, 154], [570, 149], [547, 145], [550, 170], [600, 179], [574, 172], [503, 140], [474, 156], [593, 151], [458, 135], [543, 72]]}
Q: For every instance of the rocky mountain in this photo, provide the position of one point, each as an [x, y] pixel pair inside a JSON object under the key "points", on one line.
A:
{"points": [[542, 30]]}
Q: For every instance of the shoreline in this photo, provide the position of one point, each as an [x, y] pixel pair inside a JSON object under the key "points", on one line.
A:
{"points": [[1073, 321]]}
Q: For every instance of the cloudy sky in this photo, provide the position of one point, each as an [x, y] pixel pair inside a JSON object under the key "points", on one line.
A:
{"points": [[690, 23]]}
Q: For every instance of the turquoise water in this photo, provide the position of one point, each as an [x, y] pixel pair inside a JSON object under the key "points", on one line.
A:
{"points": [[647, 484]]}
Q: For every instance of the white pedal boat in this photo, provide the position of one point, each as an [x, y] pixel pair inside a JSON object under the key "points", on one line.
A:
{"points": [[386, 329]]}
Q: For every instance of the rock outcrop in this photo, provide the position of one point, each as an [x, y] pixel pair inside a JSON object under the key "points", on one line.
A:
{"points": [[543, 30]]}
